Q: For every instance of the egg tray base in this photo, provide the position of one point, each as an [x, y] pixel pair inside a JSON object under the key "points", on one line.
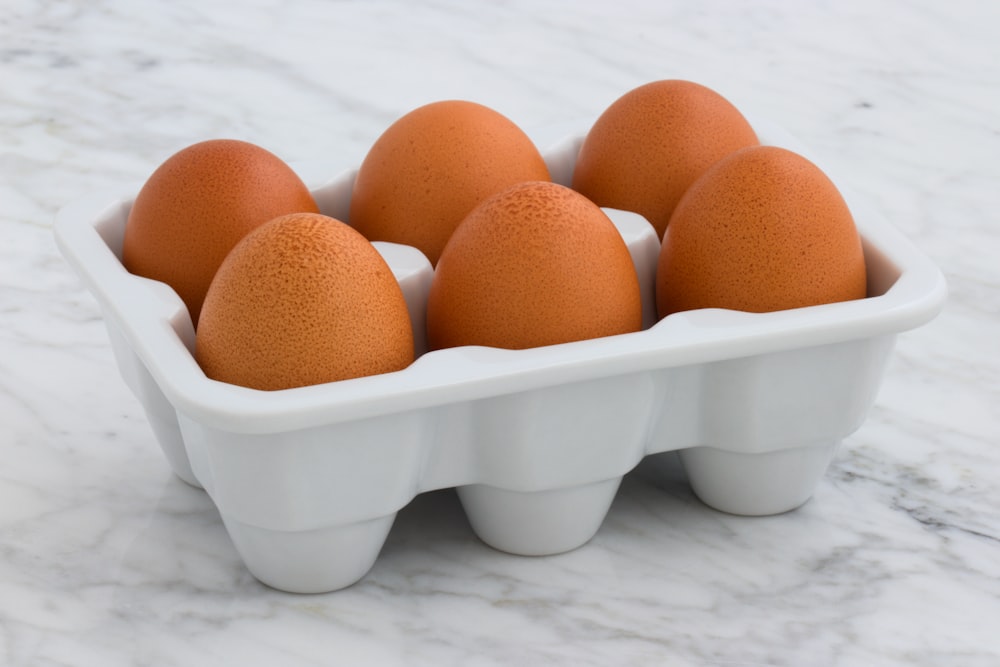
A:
{"points": [[308, 481]]}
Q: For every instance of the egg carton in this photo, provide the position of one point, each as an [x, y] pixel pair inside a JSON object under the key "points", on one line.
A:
{"points": [[309, 480]]}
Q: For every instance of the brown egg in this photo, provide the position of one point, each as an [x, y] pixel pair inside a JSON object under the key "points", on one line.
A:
{"points": [[198, 204], [302, 300], [432, 166], [652, 143], [537, 264], [764, 229]]}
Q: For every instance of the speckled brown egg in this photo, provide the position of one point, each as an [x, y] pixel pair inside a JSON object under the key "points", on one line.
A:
{"points": [[198, 204], [432, 166], [302, 300], [764, 229], [652, 143], [537, 264]]}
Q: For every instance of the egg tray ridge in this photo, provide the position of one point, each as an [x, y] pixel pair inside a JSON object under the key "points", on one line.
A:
{"points": [[308, 480]]}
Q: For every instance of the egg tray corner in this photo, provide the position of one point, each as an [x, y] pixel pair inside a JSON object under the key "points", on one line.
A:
{"points": [[309, 480]]}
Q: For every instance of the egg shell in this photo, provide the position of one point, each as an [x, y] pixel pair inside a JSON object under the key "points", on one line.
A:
{"points": [[303, 300], [432, 166], [651, 144], [537, 264], [764, 229], [198, 204]]}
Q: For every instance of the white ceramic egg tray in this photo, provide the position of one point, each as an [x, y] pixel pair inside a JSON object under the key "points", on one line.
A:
{"points": [[309, 480]]}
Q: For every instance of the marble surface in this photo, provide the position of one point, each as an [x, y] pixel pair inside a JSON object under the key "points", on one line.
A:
{"points": [[108, 559]]}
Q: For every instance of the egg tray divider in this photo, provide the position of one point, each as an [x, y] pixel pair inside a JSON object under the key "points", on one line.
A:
{"points": [[308, 480]]}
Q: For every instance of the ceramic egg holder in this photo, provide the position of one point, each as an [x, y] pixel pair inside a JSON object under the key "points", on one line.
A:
{"points": [[308, 481]]}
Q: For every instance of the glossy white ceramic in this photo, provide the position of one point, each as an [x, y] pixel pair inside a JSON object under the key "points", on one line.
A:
{"points": [[308, 480]]}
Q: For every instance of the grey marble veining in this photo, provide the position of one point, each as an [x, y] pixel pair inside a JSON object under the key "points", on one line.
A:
{"points": [[107, 559]]}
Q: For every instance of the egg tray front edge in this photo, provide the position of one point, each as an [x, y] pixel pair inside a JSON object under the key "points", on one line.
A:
{"points": [[308, 481]]}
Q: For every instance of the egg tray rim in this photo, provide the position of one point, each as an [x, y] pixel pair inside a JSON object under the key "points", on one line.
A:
{"points": [[915, 297]]}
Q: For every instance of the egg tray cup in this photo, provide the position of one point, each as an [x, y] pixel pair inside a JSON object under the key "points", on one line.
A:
{"points": [[309, 480]]}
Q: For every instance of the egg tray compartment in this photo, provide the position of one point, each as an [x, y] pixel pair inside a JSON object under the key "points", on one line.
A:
{"points": [[308, 480]]}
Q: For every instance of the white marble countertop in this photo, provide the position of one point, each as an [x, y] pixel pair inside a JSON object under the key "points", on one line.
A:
{"points": [[108, 559]]}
